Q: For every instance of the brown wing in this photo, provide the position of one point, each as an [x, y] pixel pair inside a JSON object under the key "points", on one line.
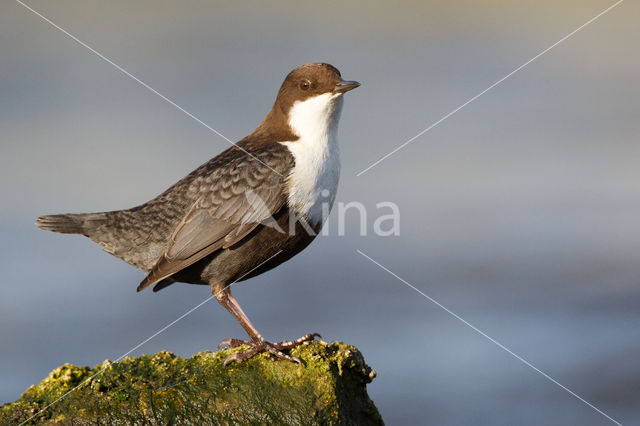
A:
{"points": [[242, 194]]}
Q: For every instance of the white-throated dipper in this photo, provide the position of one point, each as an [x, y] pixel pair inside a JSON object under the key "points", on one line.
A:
{"points": [[242, 213]]}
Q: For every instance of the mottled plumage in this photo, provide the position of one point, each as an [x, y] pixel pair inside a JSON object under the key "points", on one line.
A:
{"points": [[229, 219]]}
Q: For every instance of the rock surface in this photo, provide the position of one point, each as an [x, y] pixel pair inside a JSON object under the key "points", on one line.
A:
{"points": [[328, 388]]}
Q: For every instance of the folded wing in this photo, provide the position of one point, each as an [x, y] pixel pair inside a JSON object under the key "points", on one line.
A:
{"points": [[235, 199]]}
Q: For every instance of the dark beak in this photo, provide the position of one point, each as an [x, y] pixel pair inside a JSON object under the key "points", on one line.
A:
{"points": [[345, 86]]}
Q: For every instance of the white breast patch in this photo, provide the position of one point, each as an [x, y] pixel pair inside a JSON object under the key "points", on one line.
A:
{"points": [[316, 154]]}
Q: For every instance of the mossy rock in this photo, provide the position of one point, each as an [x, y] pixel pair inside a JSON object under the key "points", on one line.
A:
{"points": [[329, 387]]}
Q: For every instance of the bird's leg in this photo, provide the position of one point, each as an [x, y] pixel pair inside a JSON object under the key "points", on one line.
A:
{"points": [[229, 302], [257, 343]]}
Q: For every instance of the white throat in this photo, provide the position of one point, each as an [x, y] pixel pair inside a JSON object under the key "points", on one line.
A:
{"points": [[313, 181]]}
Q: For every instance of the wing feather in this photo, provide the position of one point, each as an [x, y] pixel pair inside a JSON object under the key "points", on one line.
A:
{"points": [[245, 193]]}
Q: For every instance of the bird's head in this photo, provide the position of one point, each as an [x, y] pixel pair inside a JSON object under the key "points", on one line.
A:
{"points": [[309, 100]]}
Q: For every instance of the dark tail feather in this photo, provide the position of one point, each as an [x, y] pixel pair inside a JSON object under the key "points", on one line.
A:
{"points": [[83, 223], [163, 284]]}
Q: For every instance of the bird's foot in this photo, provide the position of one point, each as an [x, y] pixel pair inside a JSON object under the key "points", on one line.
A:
{"points": [[255, 347]]}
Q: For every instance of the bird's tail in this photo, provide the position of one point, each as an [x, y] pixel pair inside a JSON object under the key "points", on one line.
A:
{"points": [[83, 223]]}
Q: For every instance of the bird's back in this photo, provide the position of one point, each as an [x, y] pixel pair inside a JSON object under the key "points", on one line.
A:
{"points": [[140, 234]]}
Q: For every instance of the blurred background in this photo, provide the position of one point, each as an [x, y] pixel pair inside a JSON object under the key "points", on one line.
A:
{"points": [[519, 213]]}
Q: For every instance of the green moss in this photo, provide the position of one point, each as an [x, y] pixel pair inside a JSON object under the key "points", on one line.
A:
{"points": [[329, 387]]}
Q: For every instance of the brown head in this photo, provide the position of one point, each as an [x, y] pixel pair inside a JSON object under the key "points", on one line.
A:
{"points": [[308, 84]]}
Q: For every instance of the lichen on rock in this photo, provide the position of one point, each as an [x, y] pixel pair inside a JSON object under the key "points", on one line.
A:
{"points": [[329, 387]]}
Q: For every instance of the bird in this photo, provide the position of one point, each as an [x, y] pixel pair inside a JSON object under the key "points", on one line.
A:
{"points": [[245, 211]]}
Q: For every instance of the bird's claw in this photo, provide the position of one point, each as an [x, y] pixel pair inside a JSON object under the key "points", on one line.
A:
{"points": [[255, 347], [234, 343]]}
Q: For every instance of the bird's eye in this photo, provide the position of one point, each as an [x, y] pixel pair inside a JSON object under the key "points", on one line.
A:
{"points": [[305, 84]]}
